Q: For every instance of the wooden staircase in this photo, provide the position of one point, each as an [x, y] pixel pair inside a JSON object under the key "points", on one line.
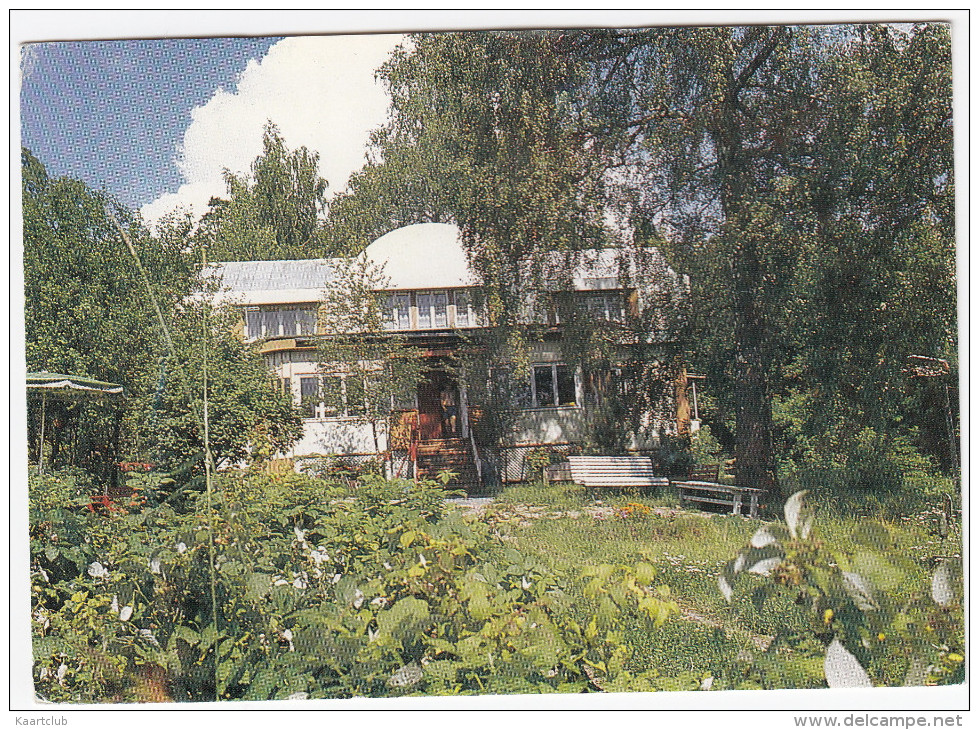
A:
{"points": [[454, 455]]}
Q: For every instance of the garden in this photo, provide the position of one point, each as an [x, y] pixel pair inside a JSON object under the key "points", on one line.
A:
{"points": [[293, 586]]}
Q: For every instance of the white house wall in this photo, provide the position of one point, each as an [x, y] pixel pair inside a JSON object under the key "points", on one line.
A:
{"points": [[338, 436], [550, 426]]}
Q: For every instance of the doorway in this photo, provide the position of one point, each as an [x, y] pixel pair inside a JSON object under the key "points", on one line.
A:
{"points": [[439, 407]]}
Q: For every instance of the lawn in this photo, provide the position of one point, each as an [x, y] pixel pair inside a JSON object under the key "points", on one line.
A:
{"points": [[569, 526], [288, 586]]}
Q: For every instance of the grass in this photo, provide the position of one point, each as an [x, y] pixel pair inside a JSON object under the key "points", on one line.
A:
{"points": [[567, 527]]}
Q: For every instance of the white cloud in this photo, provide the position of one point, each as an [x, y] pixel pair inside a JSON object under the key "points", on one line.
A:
{"points": [[319, 91]]}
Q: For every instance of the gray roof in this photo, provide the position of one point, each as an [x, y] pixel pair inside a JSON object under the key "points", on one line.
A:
{"points": [[249, 276]]}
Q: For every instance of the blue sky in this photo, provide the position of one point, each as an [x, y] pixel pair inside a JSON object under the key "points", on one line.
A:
{"points": [[156, 122], [113, 113]]}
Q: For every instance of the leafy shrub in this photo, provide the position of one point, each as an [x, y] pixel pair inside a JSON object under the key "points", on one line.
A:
{"points": [[866, 624], [704, 448], [319, 589]]}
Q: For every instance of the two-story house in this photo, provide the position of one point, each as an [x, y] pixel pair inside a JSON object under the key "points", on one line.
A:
{"points": [[431, 300]]}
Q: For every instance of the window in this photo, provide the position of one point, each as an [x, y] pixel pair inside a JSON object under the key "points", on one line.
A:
{"points": [[306, 322], [550, 385], [464, 312], [309, 393], [432, 310], [279, 322], [353, 395], [332, 396], [609, 306], [397, 312], [253, 323]]}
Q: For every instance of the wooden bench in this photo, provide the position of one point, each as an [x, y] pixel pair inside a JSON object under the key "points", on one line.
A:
{"points": [[722, 494], [615, 471], [704, 473]]}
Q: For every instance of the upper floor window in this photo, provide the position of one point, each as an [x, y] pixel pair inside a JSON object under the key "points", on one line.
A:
{"points": [[279, 322], [433, 310], [397, 312], [465, 316], [607, 305]]}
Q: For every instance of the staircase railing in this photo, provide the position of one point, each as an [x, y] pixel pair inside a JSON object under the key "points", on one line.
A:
{"points": [[476, 460]]}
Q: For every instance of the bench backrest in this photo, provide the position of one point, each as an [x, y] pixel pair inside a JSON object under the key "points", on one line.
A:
{"points": [[614, 471], [704, 473]]}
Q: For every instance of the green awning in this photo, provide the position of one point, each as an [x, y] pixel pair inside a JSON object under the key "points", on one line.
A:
{"points": [[72, 386]]}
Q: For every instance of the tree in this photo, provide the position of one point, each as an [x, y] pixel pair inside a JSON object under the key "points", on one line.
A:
{"points": [[771, 163], [879, 275], [249, 417], [85, 307], [272, 215], [366, 369], [87, 313]]}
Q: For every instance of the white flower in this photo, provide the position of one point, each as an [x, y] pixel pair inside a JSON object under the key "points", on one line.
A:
{"points": [[155, 566], [181, 548], [707, 683], [336, 578], [358, 598], [300, 583], [421, 560], [148, 635], [387, 565], [300, 534], [62, 671], [525, 583], [115, 604], [379, 601], [406, 676], [125, 613], [97, 570], [281, 582], [319, 556], [298, 696], [287, 635]]}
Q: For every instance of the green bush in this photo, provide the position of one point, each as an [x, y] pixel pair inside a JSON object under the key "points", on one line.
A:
{"points": [[870, 618], [322, 589]]}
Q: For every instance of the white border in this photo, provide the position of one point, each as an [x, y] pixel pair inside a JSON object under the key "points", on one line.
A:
{"points": [[35, 25]]}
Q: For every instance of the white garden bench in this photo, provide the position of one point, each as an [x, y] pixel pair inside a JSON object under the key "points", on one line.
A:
{"points": [[726, 495], [615, 471]]}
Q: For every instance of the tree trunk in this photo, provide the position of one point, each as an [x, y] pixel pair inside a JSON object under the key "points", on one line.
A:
{"points": [[754, 458]]}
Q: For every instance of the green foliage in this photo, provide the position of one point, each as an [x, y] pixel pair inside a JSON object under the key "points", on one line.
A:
{"points": [[704, 448], [866, 622], [248, 416], [86, 311], [326, 589], [272, 215]]}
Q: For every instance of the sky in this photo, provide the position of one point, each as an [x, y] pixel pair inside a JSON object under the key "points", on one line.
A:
{"points": [[155, 122]]}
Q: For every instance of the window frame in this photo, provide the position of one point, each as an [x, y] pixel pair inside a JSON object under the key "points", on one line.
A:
{"points": [[320, 409], [393, 316], [427, 309], [555, 384], [282, 319]]}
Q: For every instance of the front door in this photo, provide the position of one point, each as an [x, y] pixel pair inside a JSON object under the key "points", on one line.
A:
{"points": [[430, 405]]}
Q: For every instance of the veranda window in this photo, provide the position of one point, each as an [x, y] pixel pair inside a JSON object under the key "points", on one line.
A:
{"points": [[551, 385], [432, 310], [397, 312], [332, 396]]}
